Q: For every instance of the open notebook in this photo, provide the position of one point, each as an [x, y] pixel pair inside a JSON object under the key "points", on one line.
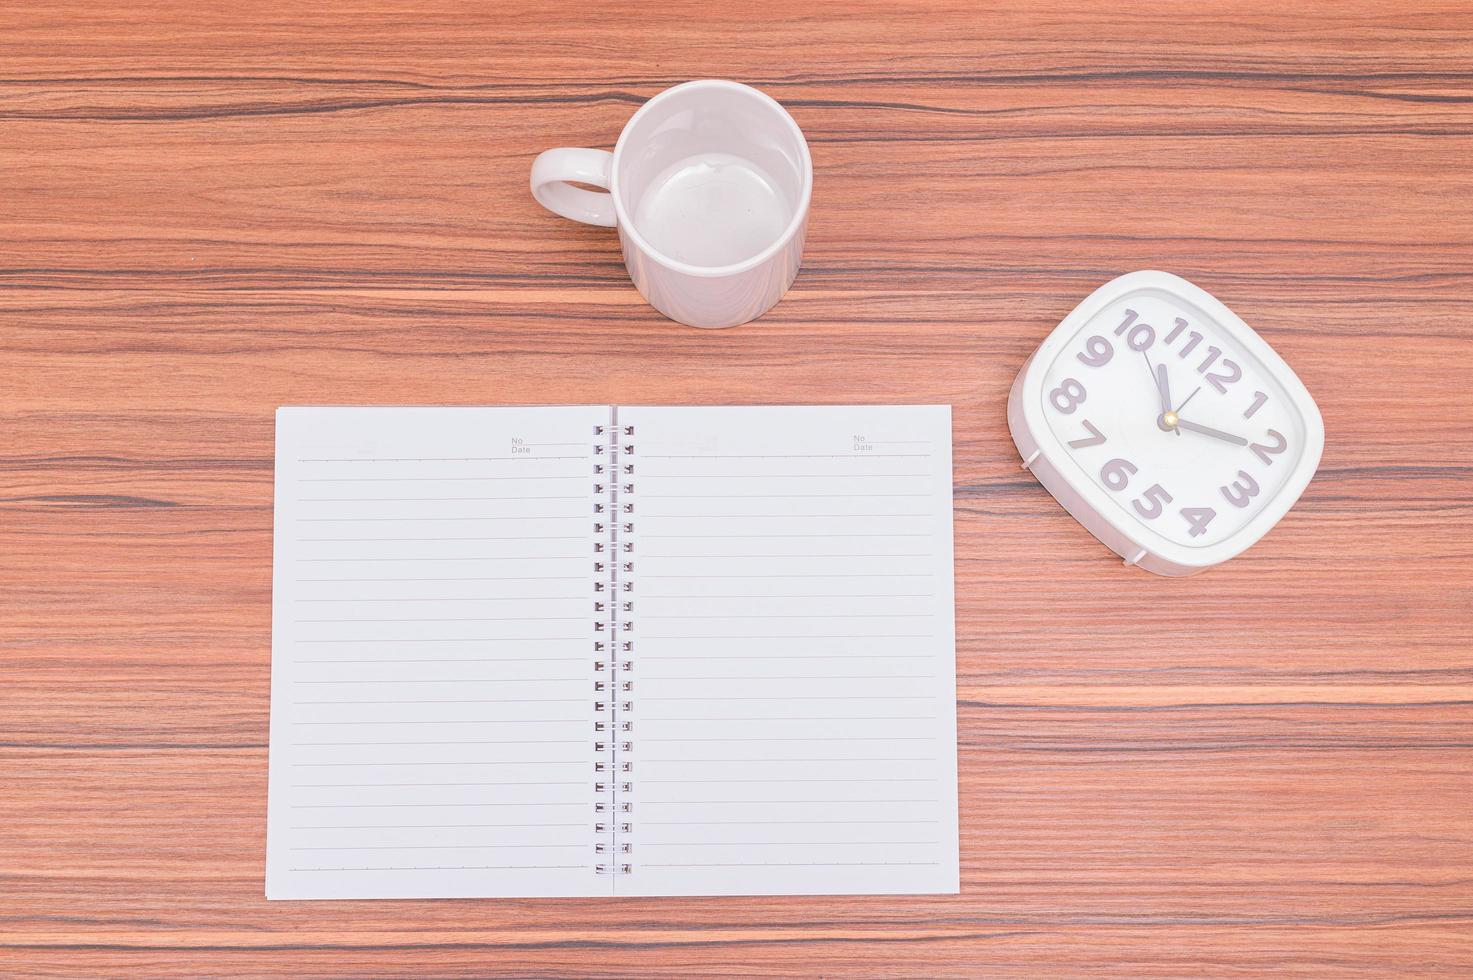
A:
{"points": [[612, 651]]}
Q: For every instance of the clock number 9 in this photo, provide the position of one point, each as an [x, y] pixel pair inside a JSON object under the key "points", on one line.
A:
{"points": [[1117, 473], [1097, 352], [1068, 396]]}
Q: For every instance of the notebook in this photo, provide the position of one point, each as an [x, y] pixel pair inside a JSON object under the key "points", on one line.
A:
{"points": [[593, 650]]}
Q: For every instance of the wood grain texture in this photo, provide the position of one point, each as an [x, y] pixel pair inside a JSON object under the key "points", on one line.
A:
{"points": [[206, 213]]}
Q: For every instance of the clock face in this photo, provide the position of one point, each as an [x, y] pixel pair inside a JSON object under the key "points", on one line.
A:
{"points": [[1169, 412]]}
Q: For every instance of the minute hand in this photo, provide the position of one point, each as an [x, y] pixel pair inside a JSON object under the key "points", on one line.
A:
{"points": [[1214, 433]]}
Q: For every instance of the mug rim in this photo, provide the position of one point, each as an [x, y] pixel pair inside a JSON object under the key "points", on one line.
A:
{"points": [[800, 213]]}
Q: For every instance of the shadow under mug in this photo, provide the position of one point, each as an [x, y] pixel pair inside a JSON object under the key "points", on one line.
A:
{"points": [[708, 186]]}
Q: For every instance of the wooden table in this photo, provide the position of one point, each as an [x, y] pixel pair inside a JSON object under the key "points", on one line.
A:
{"points": [[203, 215]]}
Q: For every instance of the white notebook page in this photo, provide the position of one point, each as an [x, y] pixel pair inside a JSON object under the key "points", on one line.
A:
{"points": [[431, 691], [794, 659]]}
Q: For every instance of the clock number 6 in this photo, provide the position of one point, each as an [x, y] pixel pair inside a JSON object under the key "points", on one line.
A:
{"points": [[1117, 473], [1157, 497], [1068, 396]]}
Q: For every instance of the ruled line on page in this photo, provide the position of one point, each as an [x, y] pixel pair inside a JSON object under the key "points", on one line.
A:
{"points": [[795, 656], [455, 578], [439, 479], [770, 496], [769, 534], [645, 842], [645, 515], [465, 680], [772, 554], [432, 847], [486, 741], [453, 619], [747, 800], [789, 595], [849, 455], [747, 616], [390, 520], [744, 823], [416, 540], [448, 660], [714, 720], [778, 476], [431, 762], [430, 500], [572, 782], [452, 700], [461, 867], [450, 598], [786, 636], [805, 781], [460, 639], [431, 560], [799, 738], [791, 864], [454, 721], [805, 575], [801, 697], [708, 760], [425, 806], [432, 459], [788, 677], [436, 826]]}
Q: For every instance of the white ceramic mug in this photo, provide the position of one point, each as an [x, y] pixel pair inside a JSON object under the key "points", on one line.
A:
{"points": [[709, 187]]}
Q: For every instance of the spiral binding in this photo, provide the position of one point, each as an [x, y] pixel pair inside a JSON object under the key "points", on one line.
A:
{"points": [[613, 486]]}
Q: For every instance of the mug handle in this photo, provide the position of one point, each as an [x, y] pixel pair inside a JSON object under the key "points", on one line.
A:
{"points": [[551, 172]]}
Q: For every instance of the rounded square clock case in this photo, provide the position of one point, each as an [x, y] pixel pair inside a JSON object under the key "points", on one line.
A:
{"points": [[1061, 472]]}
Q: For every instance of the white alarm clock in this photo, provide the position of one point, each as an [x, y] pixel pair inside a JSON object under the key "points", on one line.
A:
{"points": [[1165, 425]]}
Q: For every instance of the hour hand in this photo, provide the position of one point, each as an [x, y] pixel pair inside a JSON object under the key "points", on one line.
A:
{"points": [[1167, 419], [1207, 430], [1163, 384]]}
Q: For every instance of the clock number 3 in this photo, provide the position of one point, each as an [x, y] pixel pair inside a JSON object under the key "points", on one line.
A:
{"points": [[1243, 490], [1068, 396]]}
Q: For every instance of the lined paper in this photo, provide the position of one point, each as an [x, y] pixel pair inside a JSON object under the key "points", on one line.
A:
{"points": [[782, 578], [794, 722], [432, 669]]}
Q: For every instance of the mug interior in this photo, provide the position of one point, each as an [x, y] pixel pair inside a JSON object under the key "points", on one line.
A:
{"points": [[711, 174]]}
